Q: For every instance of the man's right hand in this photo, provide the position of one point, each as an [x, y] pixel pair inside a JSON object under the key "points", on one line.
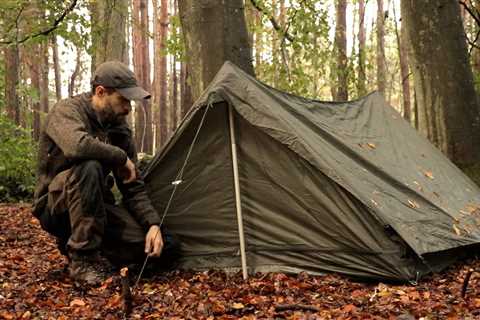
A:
{"points": [[128, 172]]}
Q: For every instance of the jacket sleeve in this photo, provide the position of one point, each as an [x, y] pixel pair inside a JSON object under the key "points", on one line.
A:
{"points": [[135, 197], [68, 130]]}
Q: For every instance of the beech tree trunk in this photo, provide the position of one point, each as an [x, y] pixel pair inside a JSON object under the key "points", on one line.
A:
{"points": [[448, 111], [75, 73], [381, 68], [12, 102], [362, 78], [109, 23], [210, 42], [141, 64], [340, 47]]}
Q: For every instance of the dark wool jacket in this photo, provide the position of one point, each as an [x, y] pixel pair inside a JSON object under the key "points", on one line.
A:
{"points": [[73, 133]]}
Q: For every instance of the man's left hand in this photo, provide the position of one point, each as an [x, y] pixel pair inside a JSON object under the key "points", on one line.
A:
{"points": [[154, 241]]}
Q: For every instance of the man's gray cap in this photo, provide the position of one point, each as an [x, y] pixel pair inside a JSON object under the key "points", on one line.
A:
{"points": [[117, 75]]}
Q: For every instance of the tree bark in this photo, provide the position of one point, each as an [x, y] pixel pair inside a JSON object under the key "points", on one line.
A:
{"points": [[75, 73], [160, 71], [56, 68], [44, 67], [109, 22], [340, 45], [141, 65], [381, 68], [362, 79], [210, 42], [403, 59], [448, 111], [11, 82]]}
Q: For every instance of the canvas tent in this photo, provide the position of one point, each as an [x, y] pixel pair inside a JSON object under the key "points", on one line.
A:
{"points": [[323, 186]]}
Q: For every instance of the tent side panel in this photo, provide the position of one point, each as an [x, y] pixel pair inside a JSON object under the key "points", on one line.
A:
{"points": [[202, 211]]}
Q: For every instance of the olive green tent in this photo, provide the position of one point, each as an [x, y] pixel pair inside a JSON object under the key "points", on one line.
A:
{"points": [[344, 187]]}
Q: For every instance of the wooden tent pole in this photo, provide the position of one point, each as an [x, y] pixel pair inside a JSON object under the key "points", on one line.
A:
{"points": [[238, 203]]}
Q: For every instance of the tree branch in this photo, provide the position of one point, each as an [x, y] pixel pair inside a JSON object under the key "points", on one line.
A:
{"points": [[275, 24], [46, 31], [469, 10]]}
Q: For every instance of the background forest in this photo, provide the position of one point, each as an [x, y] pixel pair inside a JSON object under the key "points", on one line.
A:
{"points": [[424, 56]]}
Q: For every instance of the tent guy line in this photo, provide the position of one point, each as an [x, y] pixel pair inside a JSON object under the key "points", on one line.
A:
{"points": [[178, 180]]}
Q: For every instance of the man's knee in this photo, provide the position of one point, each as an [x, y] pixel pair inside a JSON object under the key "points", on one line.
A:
{"points": [[88, 168]]}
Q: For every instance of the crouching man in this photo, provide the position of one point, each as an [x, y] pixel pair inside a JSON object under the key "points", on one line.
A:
{"points": [[84, 141]]}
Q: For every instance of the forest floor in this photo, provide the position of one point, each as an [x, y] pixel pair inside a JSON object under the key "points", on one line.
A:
{"points": [[31, 289]]}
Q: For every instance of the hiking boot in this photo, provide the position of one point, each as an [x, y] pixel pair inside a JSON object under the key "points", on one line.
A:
{"points": [[88, 269]]}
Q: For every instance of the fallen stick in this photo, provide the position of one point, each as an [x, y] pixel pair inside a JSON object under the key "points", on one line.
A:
{"points": [[283, 307], [465, 282], [126, 292]]}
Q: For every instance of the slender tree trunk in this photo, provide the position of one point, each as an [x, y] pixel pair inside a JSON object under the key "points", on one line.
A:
{"points": [[34, 71], [341, 67], [75, 73], [176, 107], [185, 89], [11, 81], [448, 110], [222, 37], [141, 63], [44, 67], [362, 79], [476, 51], [381, 68], [56, 68], [404, 70]]}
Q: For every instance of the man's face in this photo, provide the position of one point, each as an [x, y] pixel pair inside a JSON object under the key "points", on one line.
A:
{"points": [[113, 107]]}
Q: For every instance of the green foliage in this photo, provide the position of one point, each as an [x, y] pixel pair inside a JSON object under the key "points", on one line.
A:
{"points": [[175, 42], [17, 162]]}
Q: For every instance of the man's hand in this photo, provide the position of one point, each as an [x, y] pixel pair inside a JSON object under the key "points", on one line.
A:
{"points": [[154, 241], [128, 172]]}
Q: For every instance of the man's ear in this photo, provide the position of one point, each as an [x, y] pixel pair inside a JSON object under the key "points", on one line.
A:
{"points": [[100, 91]]}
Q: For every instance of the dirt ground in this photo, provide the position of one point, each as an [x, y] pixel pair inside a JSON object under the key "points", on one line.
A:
{"points": [[32, 286]]}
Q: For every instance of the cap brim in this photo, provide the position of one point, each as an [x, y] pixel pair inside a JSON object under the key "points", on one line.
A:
{"points": [[133, 93]]}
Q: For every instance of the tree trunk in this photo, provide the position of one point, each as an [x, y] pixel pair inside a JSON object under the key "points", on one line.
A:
{"points": [[176, 108], [448, 112], [31, 58], [44, 67], [403, 59], [56, 68], [141, 65], [75, 73], [11, 81], [160, 67], [381, 68], [185, 89], [341, 92], [362, 79], [109, 22], [210, 42]]}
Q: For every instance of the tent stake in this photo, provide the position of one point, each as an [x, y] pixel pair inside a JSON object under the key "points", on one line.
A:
{"points": [[237, 193]]}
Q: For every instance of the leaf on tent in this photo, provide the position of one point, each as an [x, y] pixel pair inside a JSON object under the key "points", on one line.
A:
{"points": [[428, 174], [457, 230], [374, 202], [371, 145], [413, 204], [471, 208]]}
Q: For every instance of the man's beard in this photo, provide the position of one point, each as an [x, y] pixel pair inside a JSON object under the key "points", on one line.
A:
{"points": [[110, 117]]}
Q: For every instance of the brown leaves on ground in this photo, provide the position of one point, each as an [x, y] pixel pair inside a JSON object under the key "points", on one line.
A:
{"points": [[29, 289]]}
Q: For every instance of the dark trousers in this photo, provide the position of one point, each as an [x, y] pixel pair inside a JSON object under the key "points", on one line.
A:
{"points": [[80, 213]]}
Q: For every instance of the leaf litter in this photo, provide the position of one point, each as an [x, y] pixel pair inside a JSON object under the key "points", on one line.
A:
{"points": [[31, 287]]}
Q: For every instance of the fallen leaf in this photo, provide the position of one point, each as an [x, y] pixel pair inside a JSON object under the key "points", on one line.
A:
{"points": [[428, 174], [77, 303], [457, 230], [238, 305], [371, 145], [349, 308]]}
